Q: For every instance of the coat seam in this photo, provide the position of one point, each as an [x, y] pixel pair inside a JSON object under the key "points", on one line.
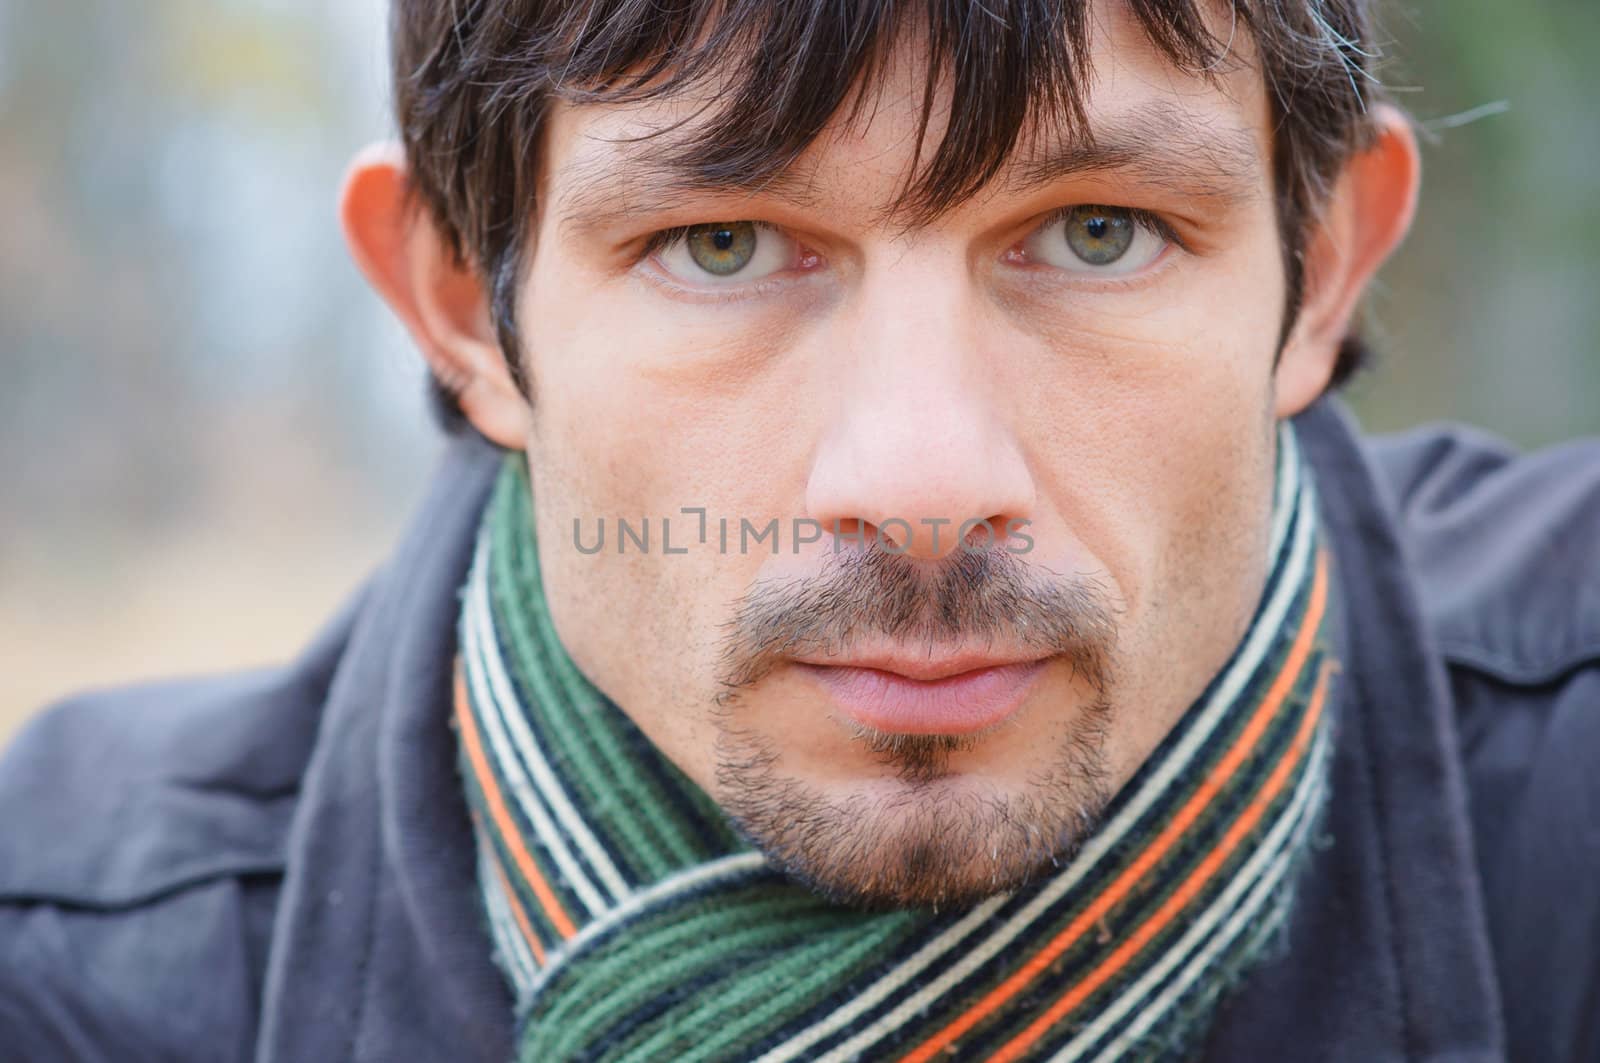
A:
{"points": [[1475, 657], [1377, 805], [148, 896]]}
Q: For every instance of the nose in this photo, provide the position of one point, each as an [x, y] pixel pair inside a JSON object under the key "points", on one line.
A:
{"points": [[918, 454]]}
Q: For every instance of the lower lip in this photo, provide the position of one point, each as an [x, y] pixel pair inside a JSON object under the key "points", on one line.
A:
{"points": [[955, 705]]}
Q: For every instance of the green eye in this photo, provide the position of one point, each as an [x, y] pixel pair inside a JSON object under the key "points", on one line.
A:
{"points": [[722, 248], [1099, 235]]}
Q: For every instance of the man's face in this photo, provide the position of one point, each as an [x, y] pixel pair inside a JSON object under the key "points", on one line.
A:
{"points": [[896, 719]]}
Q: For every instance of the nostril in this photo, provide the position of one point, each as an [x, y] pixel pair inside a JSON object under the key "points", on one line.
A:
{"points": [[929, 494], [996, 531], [929, 537]]}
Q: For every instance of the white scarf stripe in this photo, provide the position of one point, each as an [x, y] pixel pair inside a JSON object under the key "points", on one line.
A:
{"points": [[1265, 868], [528, 746], [507, 934], [489, 701], [1110, 834], [888, 984]]}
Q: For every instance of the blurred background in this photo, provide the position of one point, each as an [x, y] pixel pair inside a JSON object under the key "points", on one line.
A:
{"points": [[210, 430]]}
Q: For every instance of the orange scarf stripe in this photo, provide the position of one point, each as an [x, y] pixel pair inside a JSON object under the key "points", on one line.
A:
{"points": [[492, 797], [521, 916], [1243, 746], [1186, 892]]}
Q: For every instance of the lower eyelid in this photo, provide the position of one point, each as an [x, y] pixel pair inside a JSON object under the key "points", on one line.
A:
{"points": [[1086, 280], [712, 295]]}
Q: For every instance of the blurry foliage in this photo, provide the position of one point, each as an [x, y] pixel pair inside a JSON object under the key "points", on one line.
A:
{"points": [[209, 428], [194, 380], [1488, 313], [172, 279]]}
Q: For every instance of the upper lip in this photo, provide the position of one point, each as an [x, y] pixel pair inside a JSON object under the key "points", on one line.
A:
{"points": [[924, 666]]}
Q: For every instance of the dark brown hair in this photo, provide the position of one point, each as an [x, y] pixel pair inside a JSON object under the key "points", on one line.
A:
{"points": [[474, 79]]}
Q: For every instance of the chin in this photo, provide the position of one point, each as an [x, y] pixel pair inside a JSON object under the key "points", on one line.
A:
{"points": [[925, 821]]}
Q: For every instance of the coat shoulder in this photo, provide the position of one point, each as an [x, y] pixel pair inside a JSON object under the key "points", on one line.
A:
{"points": [[143, 834], [1505, 547]]}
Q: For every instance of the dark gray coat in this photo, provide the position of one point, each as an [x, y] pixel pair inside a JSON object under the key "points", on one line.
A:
{"points": [[278, 866]]}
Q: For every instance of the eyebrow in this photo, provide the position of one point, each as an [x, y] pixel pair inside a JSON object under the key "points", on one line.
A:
{"points": [[1156, 145], [607, 187]]}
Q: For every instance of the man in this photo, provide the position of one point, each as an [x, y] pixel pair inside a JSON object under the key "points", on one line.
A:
{"points": [[900, 588]]}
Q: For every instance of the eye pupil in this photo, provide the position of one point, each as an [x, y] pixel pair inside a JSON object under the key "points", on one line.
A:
{"points": [[722, 248], [1099, 235]]}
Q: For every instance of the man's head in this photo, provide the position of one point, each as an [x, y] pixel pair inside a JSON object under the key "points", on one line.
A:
{"points": [[885, 271]]}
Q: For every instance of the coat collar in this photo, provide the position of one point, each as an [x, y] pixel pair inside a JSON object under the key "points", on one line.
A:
{"points": [[1387, 952], [379, 951]]}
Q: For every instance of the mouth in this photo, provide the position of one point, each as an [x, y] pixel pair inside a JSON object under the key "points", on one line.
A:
{"points": [[956, 694]]}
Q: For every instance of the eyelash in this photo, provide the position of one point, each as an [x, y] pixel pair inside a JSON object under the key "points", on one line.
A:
{"points": [[660, 241], [665, 238], [1154, 222]]}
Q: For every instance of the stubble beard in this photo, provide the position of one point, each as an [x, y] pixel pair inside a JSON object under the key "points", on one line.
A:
{"points": [[919, 835]]}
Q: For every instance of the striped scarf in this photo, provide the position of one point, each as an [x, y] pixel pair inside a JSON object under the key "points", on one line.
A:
{"points": [[632, 923]]}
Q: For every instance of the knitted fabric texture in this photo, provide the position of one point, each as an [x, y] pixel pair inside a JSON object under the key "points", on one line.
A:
{"points": [[633, 923]]}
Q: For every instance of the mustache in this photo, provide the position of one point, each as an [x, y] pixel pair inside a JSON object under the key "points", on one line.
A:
{"points": [[982, 597]]}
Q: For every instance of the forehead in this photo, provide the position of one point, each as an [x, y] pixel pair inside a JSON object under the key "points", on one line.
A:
{"points": [[1207, 131]]}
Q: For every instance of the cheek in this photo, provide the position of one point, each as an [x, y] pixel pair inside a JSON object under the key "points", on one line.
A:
{"points": [[632, 616], [1155, 436], [1147, 416], [638, 418]]}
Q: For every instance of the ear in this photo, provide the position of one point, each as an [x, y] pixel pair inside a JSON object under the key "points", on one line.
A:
{"points": [[1364, 219], [442, 302]]}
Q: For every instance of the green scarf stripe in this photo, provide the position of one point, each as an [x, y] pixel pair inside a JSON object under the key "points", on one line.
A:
{"points": [[596, 752], [731, 1023], [812, 973], [699, 819], [661, 907], [683, 929], [693, 942], [708, 965], [627, 978], [752, 956], [678, 934], [668, 929], [614, 783], [531, 674]]}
